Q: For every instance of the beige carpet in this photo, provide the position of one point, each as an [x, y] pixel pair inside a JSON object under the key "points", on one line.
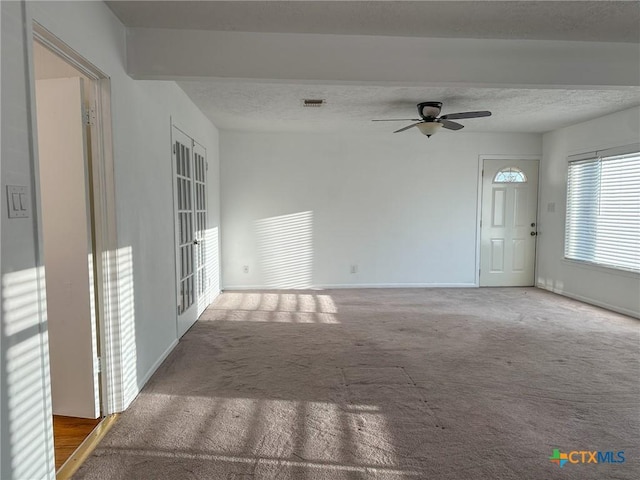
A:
{"points": [[386, 384]]}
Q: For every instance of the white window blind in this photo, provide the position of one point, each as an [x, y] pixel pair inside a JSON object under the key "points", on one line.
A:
{"points": [[603, 208]]}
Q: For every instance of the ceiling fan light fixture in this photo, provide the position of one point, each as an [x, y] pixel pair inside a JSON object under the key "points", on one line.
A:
{"points": [[429, 128], [429, 109]]}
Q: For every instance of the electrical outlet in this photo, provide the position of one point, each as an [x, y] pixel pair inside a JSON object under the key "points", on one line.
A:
{"points": [[354, 268], [245, 268]]}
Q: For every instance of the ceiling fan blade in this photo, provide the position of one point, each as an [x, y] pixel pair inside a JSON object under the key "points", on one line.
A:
{"points": [[449, 124], [397, 120], [408, 127], [452, 116]]}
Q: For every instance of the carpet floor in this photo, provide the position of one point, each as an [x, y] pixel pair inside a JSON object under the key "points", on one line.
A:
{"points": [[387, 384]]}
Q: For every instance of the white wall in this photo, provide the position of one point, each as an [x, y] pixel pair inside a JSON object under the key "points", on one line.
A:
{"points": [[141, 112], [24, 404], [401, 207], [602, 286], [142, 149]]}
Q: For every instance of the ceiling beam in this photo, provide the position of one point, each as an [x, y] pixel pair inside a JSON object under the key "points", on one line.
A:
{"points": [[194, 54]]}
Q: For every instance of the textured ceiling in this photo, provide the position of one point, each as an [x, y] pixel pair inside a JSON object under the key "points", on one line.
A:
{"points": [[605, 21], [255, 106], [278, 107]]}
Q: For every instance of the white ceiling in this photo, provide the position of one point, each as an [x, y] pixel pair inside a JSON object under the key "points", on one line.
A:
{"points": [[276, 106]]}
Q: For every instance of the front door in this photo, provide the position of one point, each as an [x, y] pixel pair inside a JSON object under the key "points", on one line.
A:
{"points": [[508, 223]]}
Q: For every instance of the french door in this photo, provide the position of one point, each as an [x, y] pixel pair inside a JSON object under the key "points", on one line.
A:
{"points": [[190, 203]]}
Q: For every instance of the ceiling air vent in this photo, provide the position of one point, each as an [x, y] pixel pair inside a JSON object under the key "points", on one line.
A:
{"points": [[313, 102]]}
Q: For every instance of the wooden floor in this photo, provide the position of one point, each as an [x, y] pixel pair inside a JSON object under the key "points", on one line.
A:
{"points": [[68, 434]]}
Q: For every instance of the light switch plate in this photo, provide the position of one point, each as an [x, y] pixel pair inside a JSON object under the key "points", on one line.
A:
{"points": [[18, 201]]}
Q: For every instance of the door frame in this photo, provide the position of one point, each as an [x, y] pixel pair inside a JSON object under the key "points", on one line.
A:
{"points": [[102, 210], [481, 159]]}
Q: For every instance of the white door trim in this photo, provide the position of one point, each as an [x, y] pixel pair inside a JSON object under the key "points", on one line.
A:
{"points": [[481, 159]]}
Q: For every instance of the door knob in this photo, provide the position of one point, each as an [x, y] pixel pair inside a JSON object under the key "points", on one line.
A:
{"points": [[533, 224], [195, 242], [533, 234]]}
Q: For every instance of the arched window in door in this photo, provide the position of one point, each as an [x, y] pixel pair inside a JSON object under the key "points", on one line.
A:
{"points": [[510, 175]]}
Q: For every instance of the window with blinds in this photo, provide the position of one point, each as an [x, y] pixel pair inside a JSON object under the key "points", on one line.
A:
{"points": [[603, 208]]}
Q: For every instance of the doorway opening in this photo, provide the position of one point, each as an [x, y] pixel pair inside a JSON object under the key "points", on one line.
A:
{"points": [[508, 222], [77, 222]]}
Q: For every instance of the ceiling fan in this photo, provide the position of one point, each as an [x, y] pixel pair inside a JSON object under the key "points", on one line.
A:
{"points": [[429, 122]]}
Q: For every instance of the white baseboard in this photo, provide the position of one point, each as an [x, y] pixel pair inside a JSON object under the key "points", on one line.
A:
{"points": [[246, 287], [356, 285], [397, 285], [591, 301], [157, 364]]}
